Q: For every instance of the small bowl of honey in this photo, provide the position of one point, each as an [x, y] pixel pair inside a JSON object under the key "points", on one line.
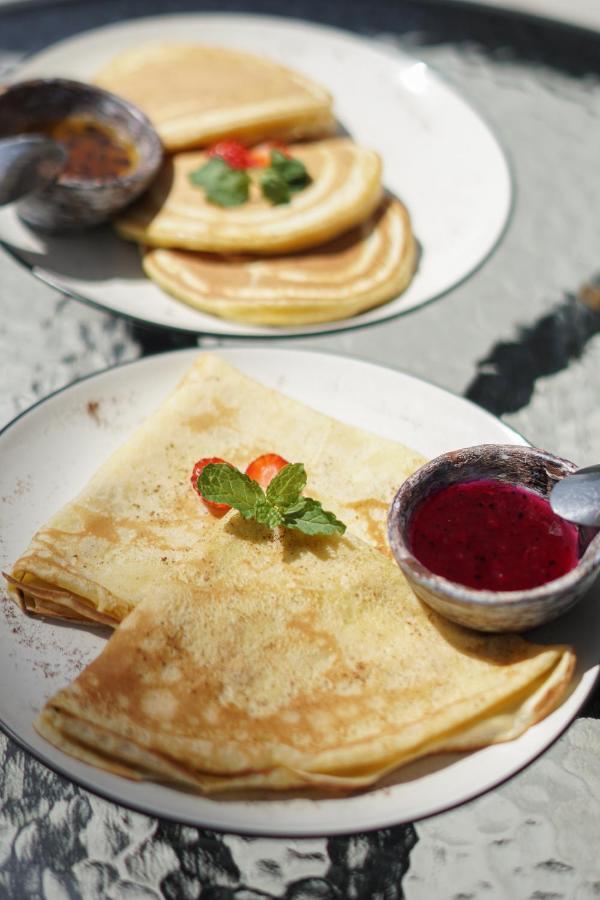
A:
{"points": [[112, 150]]}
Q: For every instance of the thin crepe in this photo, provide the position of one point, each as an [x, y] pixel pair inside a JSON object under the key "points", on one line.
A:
{"points": [[295, 661], [358, 270], [137, 525], [195, 95], [345, 189]]}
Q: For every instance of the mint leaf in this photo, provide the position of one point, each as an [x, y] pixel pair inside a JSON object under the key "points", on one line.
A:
{"points": [[222, 184], [207, 173], [283, 177], [292, 171], [268, 515], [310, 518], [285, 488], [222, 483], [274, 187]]}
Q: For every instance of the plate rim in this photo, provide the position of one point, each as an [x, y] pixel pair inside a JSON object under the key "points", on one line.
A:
{"points": [[325, 328], [389, 820]]}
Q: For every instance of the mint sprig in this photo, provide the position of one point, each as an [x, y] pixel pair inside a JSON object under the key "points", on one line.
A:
{"points": [[281, 504], [223, 185], [226, 186]]}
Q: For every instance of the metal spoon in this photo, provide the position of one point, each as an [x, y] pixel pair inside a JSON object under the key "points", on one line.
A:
{"points": [[576, 497], [28, 162]]}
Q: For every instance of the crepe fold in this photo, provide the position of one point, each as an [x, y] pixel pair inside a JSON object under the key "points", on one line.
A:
{"points": [[358, 270], [295, 661], [196, 94], [138, 527], [345, 190]]}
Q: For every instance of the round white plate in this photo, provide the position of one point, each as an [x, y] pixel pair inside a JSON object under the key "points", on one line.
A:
{"points": [[51, 451], [439, 157]]}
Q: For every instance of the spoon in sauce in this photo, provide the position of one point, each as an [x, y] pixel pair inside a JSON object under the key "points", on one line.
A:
{"points": [[28, 163], [576, 497], [112, 153]]}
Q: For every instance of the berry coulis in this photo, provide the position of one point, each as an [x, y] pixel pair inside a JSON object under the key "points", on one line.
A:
{"points": [[493, 536]]}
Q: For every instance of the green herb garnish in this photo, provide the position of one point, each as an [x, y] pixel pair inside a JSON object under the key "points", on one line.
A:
{"points": [[281, 504], [222, 184], [291, 170], [274, 188], [283, 177], [226, 186]]}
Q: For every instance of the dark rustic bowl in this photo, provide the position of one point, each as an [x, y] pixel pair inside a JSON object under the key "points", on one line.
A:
{"points": [[491, 610], [68, 203]]}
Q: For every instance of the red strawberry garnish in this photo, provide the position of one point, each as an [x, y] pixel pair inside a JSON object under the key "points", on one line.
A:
{"points": [[233, 153], [264, 468], [217, 509]]}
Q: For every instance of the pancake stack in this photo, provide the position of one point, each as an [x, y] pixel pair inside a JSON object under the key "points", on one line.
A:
{"points": [[337, 247]]}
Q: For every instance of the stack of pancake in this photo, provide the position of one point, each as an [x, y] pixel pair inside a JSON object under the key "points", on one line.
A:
{"points": [[247, 659], [338, 247]]}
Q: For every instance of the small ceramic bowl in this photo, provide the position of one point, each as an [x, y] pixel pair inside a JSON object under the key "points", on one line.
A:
{"points": [[69, 203], [487, 610]]}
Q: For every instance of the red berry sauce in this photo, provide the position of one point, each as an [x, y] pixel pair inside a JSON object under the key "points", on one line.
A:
{"points": [[492, 536]]}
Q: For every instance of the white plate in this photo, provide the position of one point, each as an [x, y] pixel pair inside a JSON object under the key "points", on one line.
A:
{"points": [[50, 452], [439, 157]]}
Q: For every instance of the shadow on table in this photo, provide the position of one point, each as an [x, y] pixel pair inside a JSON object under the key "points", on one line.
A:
{"points": [[507, 375]]}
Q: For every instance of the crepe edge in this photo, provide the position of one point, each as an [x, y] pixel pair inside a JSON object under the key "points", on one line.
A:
{"points": [[41, 599], [85, 741]]}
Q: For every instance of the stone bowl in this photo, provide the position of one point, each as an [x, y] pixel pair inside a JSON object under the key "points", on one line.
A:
{"points": [[487, 610], [69, 203]]}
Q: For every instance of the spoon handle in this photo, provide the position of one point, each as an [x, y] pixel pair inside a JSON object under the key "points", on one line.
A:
{"points": [[577, 497], [28, 162]]}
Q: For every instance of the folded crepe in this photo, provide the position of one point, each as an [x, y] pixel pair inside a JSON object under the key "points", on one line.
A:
{"points": [[345, 189], [137, 525], [195, 95], [358, 270], [295, 661]]}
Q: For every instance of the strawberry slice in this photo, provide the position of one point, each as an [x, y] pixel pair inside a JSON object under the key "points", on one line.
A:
{"points": [[264, 468], [233, 153], [217, 509], [260, 156]]}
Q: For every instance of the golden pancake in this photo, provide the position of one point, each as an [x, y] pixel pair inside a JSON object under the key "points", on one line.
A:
{"points": [[358, 270], [195, 95], [138, 525], [345, 190], [295, 661]]}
